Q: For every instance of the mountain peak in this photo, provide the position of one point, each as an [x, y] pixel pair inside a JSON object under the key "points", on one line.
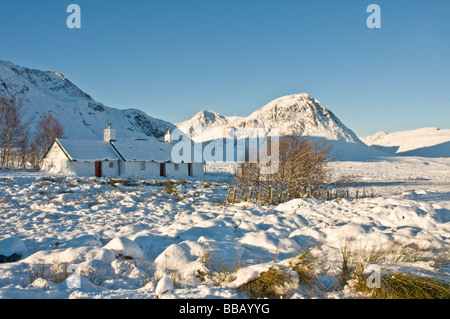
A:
{"points": [[59, 75], [208, 117], [294, 101], [209, 114], [298, 114]]}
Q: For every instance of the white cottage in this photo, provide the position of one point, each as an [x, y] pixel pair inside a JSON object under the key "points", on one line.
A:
{"points": [[111, 157]]}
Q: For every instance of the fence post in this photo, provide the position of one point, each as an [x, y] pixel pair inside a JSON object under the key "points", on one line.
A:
{"points": [[270, 195]]}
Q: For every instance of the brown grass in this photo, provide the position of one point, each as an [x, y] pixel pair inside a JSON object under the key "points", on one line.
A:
{"points": [[270, 284], [356, 258]]}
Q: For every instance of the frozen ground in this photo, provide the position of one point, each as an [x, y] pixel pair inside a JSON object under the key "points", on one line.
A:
{"points": [[123, 238]]}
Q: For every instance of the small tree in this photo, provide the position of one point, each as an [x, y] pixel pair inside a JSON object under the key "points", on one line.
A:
{"points": [[47, 130], [34, 156], [302, 171], [12, 130]]}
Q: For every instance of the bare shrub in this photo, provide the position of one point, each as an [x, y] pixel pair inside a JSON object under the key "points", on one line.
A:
{"points": [[302, 172]]}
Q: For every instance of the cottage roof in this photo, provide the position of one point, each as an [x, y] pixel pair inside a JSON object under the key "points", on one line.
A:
{"points": [[150, 149], [129, 150], [88, 150]]}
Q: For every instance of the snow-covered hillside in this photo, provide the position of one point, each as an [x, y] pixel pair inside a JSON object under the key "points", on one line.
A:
{"points": [[297, 114], [125, 236], [82, 117], [427, 142]]}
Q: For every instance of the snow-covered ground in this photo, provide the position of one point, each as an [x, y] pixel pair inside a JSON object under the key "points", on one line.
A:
{"points": [[125, 240]]}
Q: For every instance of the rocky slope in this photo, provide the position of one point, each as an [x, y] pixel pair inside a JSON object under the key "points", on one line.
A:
{"points": [[83, 118]]}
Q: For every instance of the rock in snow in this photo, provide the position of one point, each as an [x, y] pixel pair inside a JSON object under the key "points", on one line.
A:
{"points": [[124, 247], [178, 260], [12, 249], [165, 285]]}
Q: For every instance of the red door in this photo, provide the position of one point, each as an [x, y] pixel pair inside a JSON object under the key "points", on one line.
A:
{"points": [[162, 172], [98, 169]]}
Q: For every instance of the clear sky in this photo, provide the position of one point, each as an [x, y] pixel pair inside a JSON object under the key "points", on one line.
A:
{"points": [[173, 59]]}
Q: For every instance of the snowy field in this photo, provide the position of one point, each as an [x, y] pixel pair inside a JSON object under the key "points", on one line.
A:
{"points": [[121, 238]]}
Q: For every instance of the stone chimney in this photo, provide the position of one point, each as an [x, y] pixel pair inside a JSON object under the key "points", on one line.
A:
{"points": [[109, 134]]}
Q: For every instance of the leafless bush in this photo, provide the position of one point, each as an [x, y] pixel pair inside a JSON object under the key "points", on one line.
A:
{"points": [[302, 172], [17, 149]]}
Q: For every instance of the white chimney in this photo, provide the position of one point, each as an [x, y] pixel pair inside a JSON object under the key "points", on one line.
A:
{"points": [[168, 137], [109, 134]]}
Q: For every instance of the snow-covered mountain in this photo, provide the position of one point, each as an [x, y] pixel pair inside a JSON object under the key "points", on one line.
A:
{"points": [[297, 114], [428, 141], [293, 114], [83, 118]]}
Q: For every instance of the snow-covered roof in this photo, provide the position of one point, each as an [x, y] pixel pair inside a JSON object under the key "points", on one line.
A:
{"points": [[150, 149], [129, 150], [89, 150]]}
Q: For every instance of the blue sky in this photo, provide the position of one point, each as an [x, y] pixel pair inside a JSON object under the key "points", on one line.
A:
{"points": [[172, 59]]}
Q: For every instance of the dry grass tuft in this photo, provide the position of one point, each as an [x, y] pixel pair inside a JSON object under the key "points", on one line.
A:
{"points": [[56, 273], [357, 258], [270, 284], [405, 286]]}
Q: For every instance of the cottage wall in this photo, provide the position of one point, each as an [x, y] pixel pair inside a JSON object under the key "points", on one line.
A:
{"points": [[56, 162], [87, 169], [110, 168], [55, 166], [177, 170], [139, 170], [198, 169], [56, 153], [84, 169]]}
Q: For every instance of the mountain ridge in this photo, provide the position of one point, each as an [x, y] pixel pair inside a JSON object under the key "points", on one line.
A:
{"points": [[44, 92]]}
